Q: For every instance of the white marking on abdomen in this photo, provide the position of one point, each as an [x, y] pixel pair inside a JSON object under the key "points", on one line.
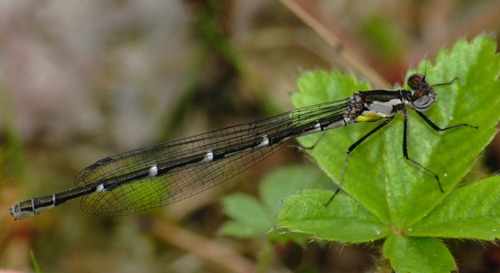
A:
{"points": [[264, 142], [316, 127], [99, 188], [209, 157], [153, 171]]}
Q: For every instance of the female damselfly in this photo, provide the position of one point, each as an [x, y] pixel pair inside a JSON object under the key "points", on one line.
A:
{"points": [[171, 171]]}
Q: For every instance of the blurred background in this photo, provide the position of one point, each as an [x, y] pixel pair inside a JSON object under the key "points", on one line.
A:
{"points": [[80, 80]]}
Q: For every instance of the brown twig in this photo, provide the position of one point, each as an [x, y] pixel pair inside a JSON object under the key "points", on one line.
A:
{"points": [[223, 258], [345, 53]]}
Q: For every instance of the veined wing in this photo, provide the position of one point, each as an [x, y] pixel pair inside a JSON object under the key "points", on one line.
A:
{"points": [[168, 172]]}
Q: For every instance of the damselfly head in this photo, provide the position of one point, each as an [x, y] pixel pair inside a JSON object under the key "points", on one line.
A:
{"points": [[417, 81], [423, 96]]}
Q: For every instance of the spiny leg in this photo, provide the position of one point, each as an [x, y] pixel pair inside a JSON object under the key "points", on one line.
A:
{"points": [[350, 149]]}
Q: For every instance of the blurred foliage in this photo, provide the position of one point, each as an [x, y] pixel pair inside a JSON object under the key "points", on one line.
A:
{"points": [[384, 198], [81, 80]]}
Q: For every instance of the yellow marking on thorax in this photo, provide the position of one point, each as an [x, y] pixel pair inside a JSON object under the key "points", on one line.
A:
{"points": [[367, 117]]}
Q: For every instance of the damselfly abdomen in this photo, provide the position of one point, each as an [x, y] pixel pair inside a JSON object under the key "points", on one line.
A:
{"points": [[171, 171]]}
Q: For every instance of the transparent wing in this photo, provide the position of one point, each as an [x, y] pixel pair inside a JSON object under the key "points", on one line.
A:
{"points": [[238, 147]]}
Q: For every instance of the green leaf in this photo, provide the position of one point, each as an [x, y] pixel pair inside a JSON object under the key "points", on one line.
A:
{"points": [[425, 255], [349, 222], [385, 195], [288, 181], [249, 218], [394, 190], [471, 212]]}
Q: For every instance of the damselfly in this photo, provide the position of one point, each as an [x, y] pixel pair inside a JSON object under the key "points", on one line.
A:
{"points": [[171, 171]]}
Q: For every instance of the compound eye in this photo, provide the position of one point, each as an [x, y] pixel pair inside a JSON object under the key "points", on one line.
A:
{"points": [[423, 103], [417, 81]]}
